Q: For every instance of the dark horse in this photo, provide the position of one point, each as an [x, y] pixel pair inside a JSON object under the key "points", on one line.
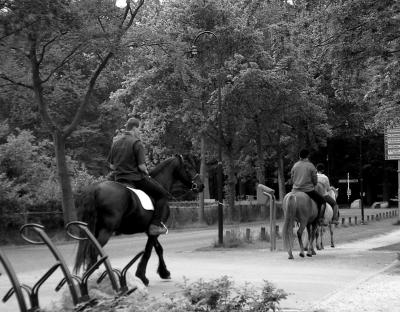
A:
{"points": [[109, 207]]}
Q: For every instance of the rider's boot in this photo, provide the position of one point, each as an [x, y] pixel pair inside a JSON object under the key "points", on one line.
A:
{"points": [[335, 218], [321, 216], [155, 229]]}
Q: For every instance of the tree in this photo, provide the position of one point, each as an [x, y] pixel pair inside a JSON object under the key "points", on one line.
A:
{"points": [[64, 46]]}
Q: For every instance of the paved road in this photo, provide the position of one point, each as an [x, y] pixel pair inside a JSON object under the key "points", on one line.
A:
{"points": [[307, 280]]}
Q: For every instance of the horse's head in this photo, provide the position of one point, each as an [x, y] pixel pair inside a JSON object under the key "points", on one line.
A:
{"points": [[334, 192], [186, 172]]}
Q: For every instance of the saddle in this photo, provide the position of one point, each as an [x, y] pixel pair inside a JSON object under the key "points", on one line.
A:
{"points": [[145, 199]]}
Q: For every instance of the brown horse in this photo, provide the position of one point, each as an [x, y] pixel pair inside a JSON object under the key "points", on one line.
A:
{"points": [[298, 206]]}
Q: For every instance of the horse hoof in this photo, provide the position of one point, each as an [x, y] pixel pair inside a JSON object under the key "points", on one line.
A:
{"points": [[165, 275], [313, 253], [309, 255], [333, 246], [290, 257], [143, 278], [302, 255]]}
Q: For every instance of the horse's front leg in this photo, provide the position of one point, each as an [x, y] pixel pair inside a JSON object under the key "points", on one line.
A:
{"points": [[331, 232], [162, 268], [141, 269]]}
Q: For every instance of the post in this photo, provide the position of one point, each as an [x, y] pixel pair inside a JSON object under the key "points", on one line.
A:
{"points": [[361, 182], [398, 188], [348, 189], [248, 234], [202, 176], [264, 192], [263, 235]]}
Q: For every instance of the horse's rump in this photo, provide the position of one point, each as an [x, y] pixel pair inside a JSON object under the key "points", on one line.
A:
{"points": [[306, 208]]}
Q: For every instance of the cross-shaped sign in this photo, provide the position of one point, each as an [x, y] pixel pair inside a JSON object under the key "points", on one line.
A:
{"points": [[348, 181]]}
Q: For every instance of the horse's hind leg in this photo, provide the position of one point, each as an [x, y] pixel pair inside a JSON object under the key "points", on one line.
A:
{"points": [[102, 236], [317, 236], [299, 233], [141, 269], [162, 268], [331, 232], [322, 230], [312, 229]]}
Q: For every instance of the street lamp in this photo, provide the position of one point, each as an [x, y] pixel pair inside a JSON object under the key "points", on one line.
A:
{"points": [[194, 52], [361, 172]]}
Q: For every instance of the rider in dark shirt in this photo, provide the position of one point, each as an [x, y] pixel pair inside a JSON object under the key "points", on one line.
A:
{"points": [[304, 179], [127, 160]]}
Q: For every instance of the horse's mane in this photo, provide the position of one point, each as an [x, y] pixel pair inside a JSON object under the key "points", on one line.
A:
{"points": [[161, 166]]}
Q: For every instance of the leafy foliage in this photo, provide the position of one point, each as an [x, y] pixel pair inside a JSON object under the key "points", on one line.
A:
{"points": [[303, 73], [217, 295], [28, 182]]}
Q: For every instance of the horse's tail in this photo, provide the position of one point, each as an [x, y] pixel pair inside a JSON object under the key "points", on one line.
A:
{"points": [[87, 213], [290, 213]]}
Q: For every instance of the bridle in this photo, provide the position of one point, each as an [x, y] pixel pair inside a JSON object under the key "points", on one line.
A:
{"points": [[194, 186]]}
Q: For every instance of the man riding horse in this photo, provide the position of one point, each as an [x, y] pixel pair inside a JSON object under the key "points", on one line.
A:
{"points": [[127, 160], [324, 180], [304, 179]]}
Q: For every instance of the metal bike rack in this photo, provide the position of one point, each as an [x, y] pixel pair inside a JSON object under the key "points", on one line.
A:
{"points": [[17, 287], [122, 289], [33, 292]]}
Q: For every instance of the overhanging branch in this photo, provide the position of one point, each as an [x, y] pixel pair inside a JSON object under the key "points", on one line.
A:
{"points": [[63, 62], [14, 82]]}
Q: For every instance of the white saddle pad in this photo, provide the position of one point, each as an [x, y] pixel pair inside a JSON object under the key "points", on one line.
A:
{"points": [[144, 198]]}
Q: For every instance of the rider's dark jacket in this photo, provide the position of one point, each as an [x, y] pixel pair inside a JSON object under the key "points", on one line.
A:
{"points": [[126, 154]]}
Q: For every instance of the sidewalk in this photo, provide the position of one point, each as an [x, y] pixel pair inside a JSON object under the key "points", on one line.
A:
{"points": [[375, 293], [378, 293]]}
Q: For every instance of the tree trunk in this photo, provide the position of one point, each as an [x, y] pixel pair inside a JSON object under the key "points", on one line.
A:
{"points": [[64, 178], [281, 176], [206, 182], [260, 166], [230, 188]]}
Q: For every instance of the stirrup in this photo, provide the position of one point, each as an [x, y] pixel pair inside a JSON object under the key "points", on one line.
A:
{"points": [[164, 227]]}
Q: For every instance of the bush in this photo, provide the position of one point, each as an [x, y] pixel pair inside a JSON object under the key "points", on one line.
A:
{"points": [[29, 182], [213, 296]]}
